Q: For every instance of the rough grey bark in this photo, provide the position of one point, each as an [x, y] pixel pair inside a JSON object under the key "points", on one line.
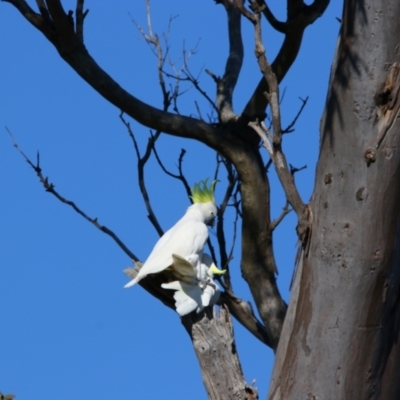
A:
{"points": [[342, 342], [214, 343]]}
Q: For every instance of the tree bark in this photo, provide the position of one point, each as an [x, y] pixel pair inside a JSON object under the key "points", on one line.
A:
{"points": [[340, 340], [214, 343]]}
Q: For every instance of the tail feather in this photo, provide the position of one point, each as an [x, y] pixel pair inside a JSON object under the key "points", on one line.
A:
{"points": [[131, 283]]}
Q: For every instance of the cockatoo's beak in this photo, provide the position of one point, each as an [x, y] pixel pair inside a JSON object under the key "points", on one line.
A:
{"points": [[211, 222], [213, 270]]}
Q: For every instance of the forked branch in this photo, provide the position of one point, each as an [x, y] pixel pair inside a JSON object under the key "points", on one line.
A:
{"points": [[227, 83], [299, 16], [141, 163], [273, 141]]}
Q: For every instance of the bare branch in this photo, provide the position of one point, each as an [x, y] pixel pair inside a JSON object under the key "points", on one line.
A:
{"points": [[282, 169], [153, 39], [244, 11], [180, 176], [275, 148], [141, 164], [226, 84], [277, 25], [230, 256], [225, 259], [50, 188], [195, 82], [289, 128], [244, 314], [80, 17], [285, 211], [299, 16], [77, 56], [293, 170]]}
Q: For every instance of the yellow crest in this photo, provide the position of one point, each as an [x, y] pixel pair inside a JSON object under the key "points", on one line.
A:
{"points": [[201, 193]]}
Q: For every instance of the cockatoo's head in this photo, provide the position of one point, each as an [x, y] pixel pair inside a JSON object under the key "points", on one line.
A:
{"points": [[203, 199], [207, 210]]}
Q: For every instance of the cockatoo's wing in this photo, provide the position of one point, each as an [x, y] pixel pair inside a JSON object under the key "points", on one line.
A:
{"points": [[185, 269], [185, 238], [187, 297]]}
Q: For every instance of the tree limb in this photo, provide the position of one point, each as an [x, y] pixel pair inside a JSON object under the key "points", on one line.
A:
{"points": [[275, 148], [227, 83], [214, 344], [299, 16], [289, 128], [285, 211], [50, 188], [140, 166]]}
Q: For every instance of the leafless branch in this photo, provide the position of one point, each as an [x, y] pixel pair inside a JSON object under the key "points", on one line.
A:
{"points": [[180, 176], [273, 143], [293, 170], [189, 77], [267, 165], [80, 17], [290, 128], [299, 16], [285, 211], [153, 39], [235, 221], [245, 12], [50, 188], [225, 259], [282, 169], [142, 160], [244, 314], [226, 84], [274, 22]]}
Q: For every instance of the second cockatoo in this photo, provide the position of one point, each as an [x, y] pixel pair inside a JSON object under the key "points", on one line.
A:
{"points": [[187, 237], [195, 288]]}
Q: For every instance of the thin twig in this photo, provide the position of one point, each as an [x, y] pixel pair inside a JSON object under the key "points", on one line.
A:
{"points": [[285, 211], [180, 176], [289, 128], [80, 16], [235, 221], [142, 160], [293, 170]]}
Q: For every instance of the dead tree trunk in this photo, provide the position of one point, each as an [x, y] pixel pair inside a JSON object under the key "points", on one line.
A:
{"points": [[340, 340]]}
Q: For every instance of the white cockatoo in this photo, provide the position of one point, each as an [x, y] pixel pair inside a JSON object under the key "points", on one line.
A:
{"points": [[187, 237], [195, 288]]}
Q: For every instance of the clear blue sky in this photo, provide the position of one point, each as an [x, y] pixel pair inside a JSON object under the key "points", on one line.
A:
{"points": [[69, 329]]}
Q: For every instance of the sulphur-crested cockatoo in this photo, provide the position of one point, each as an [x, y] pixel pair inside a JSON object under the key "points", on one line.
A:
{"points": [[187, 237], [195, 288]]}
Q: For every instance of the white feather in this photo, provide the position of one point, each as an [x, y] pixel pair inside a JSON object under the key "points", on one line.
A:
{"points": [[195, 288], [186, 238], [187, 297]]}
